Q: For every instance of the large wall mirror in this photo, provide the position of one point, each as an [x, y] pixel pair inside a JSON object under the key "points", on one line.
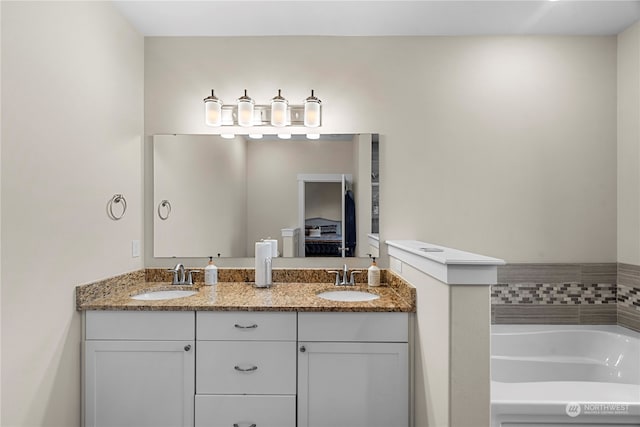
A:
{"points": [[216, 196]]}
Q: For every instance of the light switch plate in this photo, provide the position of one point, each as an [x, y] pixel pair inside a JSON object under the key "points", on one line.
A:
{"points": [[135, 248]]}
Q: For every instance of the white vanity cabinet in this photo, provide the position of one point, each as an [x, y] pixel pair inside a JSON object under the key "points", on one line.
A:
{"points": [[139, 369], [353, 369], [246, 369]]}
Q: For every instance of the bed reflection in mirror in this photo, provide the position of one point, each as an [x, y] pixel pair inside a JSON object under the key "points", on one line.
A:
{"points": [[217, 197]]}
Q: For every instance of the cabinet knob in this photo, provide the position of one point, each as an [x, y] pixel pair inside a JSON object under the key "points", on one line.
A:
{"points": [[302, 349], [187, 347]]}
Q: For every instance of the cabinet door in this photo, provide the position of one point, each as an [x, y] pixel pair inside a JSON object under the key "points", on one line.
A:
{"points": [[353, 384], [139, 383]]}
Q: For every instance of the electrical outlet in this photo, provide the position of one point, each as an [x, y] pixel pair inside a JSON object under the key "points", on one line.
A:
{"points": [[135, 248]]}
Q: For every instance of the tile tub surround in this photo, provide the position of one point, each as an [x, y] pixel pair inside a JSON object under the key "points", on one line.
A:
{"points": [[297, 295], [603, 293], [629, 296]]}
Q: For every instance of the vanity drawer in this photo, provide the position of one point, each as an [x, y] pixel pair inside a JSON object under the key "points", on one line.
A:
{"points": [[358, 327], [246, 325], [246, 367], [243, 411], [140, 325]]}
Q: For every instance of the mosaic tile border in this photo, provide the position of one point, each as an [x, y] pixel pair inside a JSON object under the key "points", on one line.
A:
{"points": [[594, 293], [629, 296], [554, 293]]}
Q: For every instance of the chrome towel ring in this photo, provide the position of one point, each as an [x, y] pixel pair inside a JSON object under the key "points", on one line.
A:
{"points": [[117, 199], [164, 204]]}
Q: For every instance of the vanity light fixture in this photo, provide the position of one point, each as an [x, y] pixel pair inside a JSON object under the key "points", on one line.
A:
{"points": [[284, 135], [255, 135], [279, 113], [313, 136], [228, 135]]}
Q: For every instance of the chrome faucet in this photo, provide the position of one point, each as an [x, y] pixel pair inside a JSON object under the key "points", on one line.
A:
{"points": [[347, 279], [178, 274], [181, 276]]}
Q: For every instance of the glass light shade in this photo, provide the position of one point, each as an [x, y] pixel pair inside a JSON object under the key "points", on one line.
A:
{"points": [[284, 135], [212, 110], [279, 111], [255, 135], [228, 135], [312, 111], [213, 113], [313, 136], [245, 110]]}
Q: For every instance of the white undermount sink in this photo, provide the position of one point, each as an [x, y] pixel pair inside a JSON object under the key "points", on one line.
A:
{"points": [[348, 296], [160, 295]]}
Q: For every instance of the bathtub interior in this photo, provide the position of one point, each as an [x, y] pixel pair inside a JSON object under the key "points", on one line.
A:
{"points": [[538, 370], [544, 353]]}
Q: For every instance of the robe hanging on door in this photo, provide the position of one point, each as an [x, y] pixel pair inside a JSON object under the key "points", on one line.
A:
{"points": [[350, 224]]}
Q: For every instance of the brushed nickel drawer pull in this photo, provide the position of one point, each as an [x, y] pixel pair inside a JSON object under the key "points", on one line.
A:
{"points": [[246, 327], [238, 425], [251, 369]]}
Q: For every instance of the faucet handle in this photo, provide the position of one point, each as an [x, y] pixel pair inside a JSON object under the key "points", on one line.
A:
{"points": [[175, 276], [190, 276], [353, 273], [337, 273]]}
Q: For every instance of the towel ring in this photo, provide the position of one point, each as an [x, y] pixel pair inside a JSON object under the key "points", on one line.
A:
{"points": [[117, 198], [164, 204]]}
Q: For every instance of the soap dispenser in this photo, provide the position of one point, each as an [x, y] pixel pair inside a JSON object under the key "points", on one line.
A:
{"points": [[373, 273], [210, 273]]}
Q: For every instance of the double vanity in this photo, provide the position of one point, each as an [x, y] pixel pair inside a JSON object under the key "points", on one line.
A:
{"points": [[238, 356]]}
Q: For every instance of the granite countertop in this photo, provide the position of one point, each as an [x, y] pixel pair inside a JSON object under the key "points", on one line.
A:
{"points": [[395, 296]]}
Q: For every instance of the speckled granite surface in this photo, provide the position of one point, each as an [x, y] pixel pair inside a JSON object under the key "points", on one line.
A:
{"points": [[294, 290]]}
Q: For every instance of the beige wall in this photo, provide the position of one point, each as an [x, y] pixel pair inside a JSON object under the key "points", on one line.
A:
{"points": [[498, 145], [629, 145], [72, 115], [323, 200]]}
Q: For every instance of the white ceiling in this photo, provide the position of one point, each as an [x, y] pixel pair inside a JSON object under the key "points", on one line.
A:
{"points": [[379, 18]]}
